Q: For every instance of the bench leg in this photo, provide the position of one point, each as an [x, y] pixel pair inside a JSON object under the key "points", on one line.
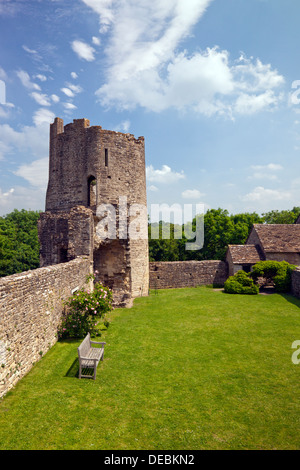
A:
{"points": [[95, 370]]}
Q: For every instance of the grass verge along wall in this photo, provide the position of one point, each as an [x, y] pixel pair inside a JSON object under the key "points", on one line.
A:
{"points": [[31, 304]]}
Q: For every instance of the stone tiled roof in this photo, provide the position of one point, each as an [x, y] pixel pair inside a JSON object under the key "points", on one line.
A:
{"points": [[279, 238], [244, 254]]}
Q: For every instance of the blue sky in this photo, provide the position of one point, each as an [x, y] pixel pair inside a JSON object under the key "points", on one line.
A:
{"points": [[212, 85]]}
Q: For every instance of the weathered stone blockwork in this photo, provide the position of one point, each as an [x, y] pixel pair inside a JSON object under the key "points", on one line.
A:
{"points": [[175, 274], [93, 172], [296, 282], [30, 312]]}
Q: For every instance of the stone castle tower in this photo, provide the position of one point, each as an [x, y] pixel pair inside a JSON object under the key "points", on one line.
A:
{"points": [[96, 205]]}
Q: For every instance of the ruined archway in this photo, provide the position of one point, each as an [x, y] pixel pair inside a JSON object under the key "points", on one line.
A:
{"points": [[112, 267]]}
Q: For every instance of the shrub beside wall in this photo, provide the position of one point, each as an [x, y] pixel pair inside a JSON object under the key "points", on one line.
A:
{"points": [[31, 305], [279, 272], [241, 283]]}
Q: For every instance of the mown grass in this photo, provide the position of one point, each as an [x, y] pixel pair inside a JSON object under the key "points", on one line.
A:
{"points": [[183, 369]]}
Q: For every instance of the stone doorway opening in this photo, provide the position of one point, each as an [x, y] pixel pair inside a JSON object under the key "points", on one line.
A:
{"points": [[111, 261]]}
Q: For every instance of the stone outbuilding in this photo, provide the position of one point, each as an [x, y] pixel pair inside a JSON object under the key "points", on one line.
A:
{"points": [[278, 242], [242, 257]]}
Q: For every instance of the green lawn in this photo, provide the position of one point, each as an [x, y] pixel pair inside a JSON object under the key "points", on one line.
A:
{"points": [[183, 369]]}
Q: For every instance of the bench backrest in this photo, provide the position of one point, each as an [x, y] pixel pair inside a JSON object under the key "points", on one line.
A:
{"points": [[85, 346]]}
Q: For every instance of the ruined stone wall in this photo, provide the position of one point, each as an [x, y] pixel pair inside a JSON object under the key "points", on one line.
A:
{"points": [[65, 235], [296, 282], [79, 152], [175, 274], [97, 178], [30, 312]]}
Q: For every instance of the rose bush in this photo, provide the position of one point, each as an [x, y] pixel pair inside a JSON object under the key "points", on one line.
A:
{"points": [[84, 310]]}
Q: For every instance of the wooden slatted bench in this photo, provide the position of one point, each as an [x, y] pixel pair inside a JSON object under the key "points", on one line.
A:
{"points": [[89, 356]]}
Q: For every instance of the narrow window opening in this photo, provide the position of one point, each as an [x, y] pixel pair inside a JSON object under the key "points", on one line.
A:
{"points": [[92, 191], [106, 157]]}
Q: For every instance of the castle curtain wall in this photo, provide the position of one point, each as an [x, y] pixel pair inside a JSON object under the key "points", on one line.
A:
{"points": [[31, 306]]}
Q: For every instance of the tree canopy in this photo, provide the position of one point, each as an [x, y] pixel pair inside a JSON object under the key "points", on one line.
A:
{"points": [[220, 230], [19, 245]]}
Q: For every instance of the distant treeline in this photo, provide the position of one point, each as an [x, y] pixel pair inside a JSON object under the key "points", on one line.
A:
{"points": [[19, 245], [220, 230]]}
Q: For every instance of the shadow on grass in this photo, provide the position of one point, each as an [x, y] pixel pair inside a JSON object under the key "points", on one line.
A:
{"points": [[73, 370], [292, 299]]}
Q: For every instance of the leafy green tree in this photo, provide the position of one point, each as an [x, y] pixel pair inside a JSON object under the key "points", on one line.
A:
{"points": [[19, 245], [282, 217]]}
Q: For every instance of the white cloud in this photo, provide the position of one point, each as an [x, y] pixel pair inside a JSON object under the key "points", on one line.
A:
{"points": [[3, 74], [69, 106], [26, 80], [265, 171], [266, 195], [266, 176], [41, 77], [96, 41], [36, 173], [83, 50], [32, 140], [22, 197], [32, 143], [153, 188], [191, 194], [55, 98], [75, 88], [270, 166], [41, 99], [124, 126], [250, 104], [74, 75], [103, 8], [165, 175], [149, 70], [4, 113], [256, 76], [43, 116], [27, 49], [10, 191], [67, 92]]}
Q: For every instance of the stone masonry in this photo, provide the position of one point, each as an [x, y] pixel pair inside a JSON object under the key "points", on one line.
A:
{"points": [[31, 305], [97, 179], [296, 283], [176, 274]]}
